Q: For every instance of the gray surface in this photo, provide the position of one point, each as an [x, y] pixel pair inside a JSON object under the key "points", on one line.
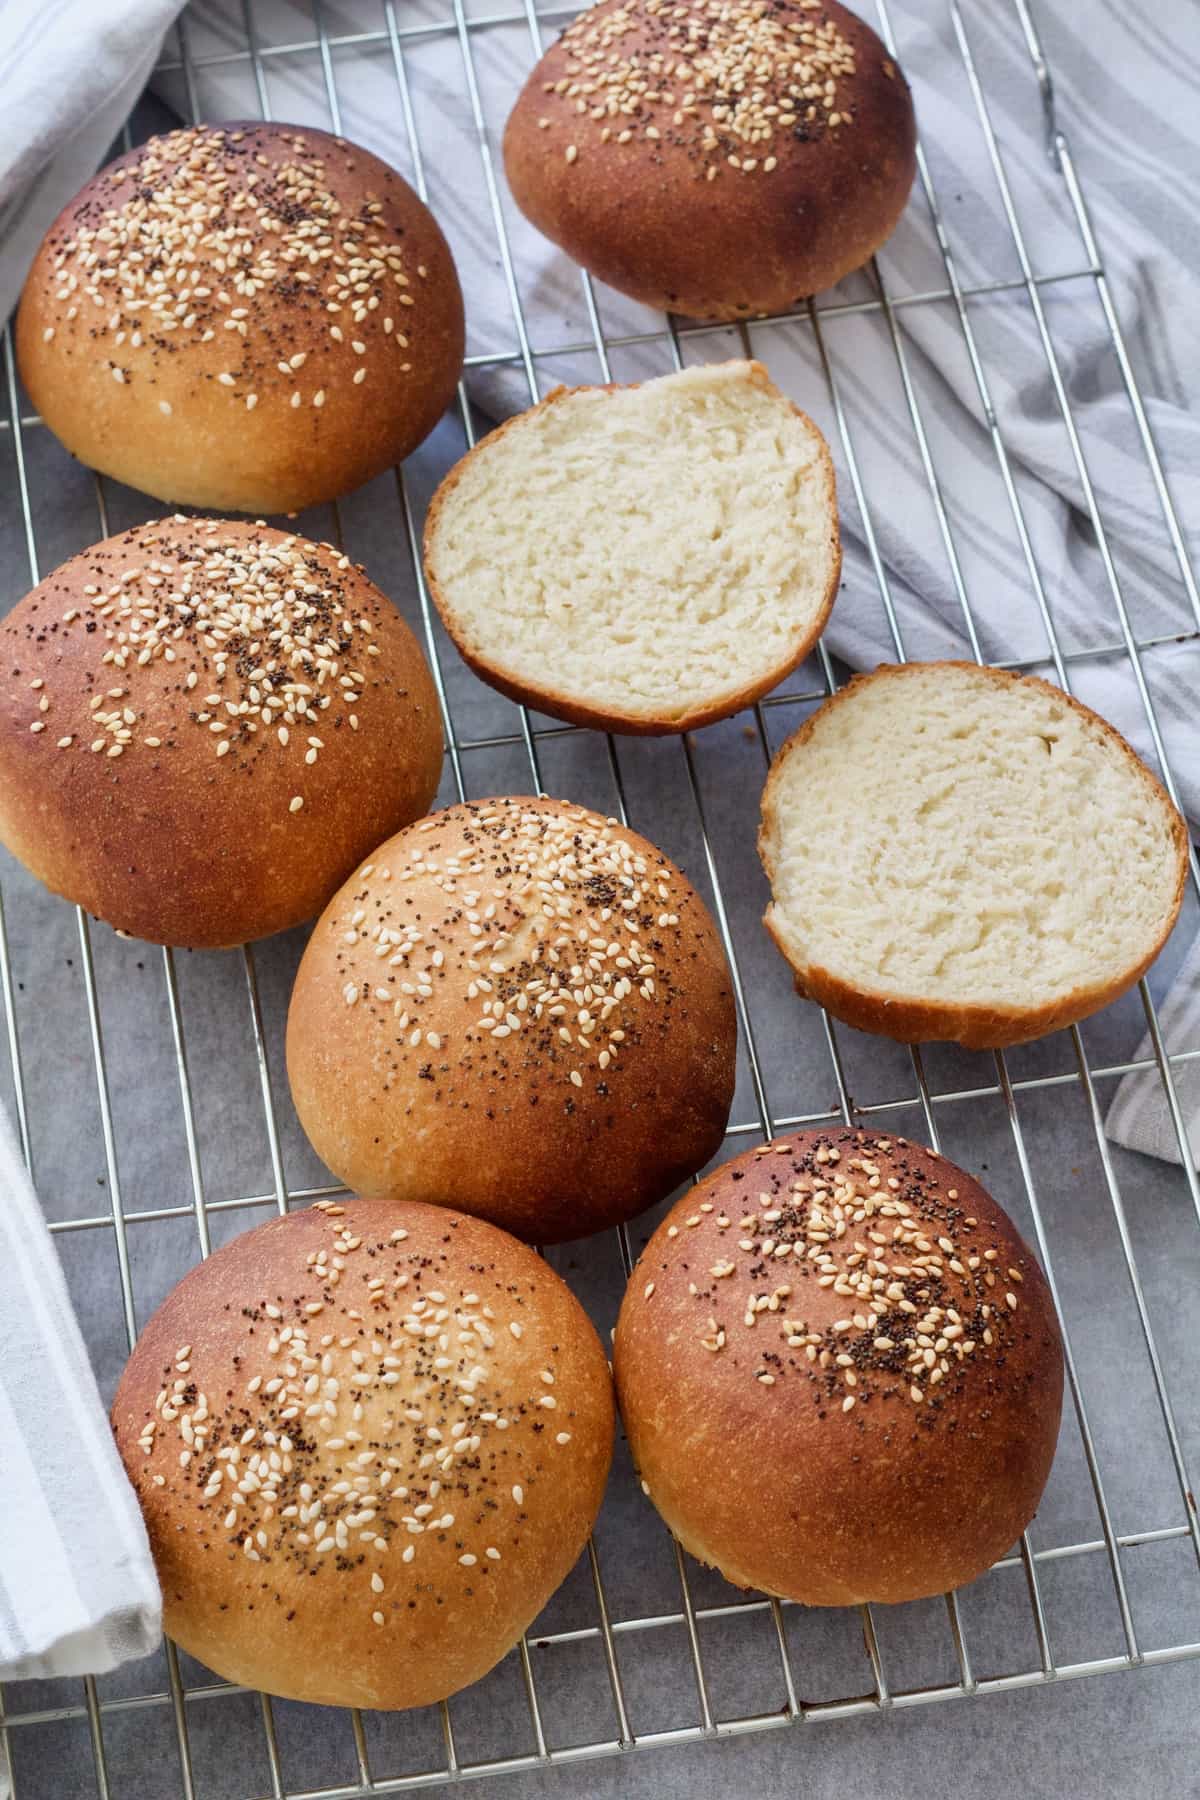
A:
{"points": [[1120, 1735]]}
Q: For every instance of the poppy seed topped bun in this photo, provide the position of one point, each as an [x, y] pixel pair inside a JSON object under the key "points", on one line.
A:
{"points": [[243, 317], [204, 724], [840, 1371], [369, 1441], [518, 1008], [717, 158]]}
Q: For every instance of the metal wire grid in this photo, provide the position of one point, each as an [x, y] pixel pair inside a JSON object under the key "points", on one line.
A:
{"points": [[609, 1631]]}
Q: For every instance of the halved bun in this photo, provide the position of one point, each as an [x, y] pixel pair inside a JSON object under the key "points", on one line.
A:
{"points": [[959, 852], [644, 559]]}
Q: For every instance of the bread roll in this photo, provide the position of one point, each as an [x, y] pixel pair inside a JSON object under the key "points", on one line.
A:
{"points": [[243, 317], [958, 852], [645, 558], [204, 725], [518, 1008], [369, 1441], [719, 158], [840, 1372]]}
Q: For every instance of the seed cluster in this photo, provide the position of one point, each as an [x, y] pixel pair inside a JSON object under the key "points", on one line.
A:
{"points": [[215, 235], [264, 637], [367, 1440], [728, 82], [862, 1227], [544, 920]]}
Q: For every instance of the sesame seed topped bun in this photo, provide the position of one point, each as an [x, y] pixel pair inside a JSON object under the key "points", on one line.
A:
{"points": [[243, 317], [369, 1441], [519, 1008], [717, 158], [204, 724], [840, 1371]]}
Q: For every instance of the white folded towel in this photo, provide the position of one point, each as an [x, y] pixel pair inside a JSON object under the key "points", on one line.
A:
{"points": [[78, 1593], [73, 70]]}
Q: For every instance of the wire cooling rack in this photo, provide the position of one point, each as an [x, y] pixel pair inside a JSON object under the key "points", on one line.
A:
{"points": [[642, 1648]]}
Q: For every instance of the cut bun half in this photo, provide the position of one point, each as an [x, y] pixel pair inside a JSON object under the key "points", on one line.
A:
{"points": [[957, 852], [644, 559]]}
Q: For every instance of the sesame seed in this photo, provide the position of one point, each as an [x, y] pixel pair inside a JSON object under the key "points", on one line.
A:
{"points": [[295, 803], [748, 71], [893, 1244]]}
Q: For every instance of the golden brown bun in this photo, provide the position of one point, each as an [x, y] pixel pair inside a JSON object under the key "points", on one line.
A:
{"points": [[546, 1036], [811, 193], [315, 1382], [901, 1471], [132, 807], [1066, 845], [219, 370]]}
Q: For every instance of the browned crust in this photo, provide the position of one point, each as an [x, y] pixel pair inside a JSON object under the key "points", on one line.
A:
{"points": [[498, 1129], [211, 452], [299, 1625], [645, 220], [576, 712], [174, 844], [909, 1018], [779, 1486]]}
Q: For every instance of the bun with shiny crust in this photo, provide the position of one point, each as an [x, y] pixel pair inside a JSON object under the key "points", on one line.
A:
{"points": [[369, 1441], [840, 1371], [721, 158], [519, 1008], [204, 724], [243, 317]]}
